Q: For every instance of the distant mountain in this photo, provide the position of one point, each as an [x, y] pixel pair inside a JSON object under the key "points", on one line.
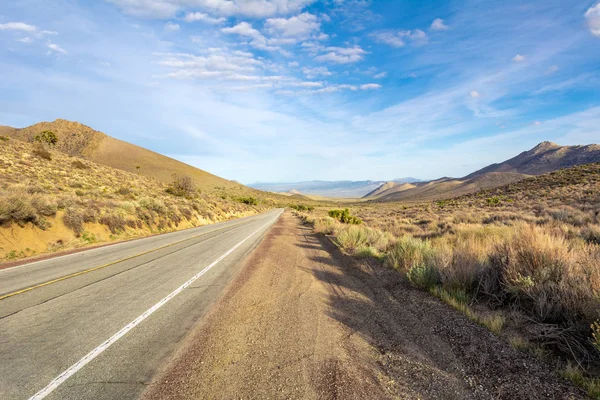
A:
{"points": [[543, 158], [334, 189], [82, 141]]}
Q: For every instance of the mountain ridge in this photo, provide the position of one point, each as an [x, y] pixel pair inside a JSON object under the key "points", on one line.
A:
{"points": [[543, 158]]}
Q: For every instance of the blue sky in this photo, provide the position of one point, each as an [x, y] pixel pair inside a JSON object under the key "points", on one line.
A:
{"points": [[288, 90]]}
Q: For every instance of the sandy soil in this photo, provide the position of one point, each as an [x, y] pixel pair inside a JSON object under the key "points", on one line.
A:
{"points": [[303, 321]]}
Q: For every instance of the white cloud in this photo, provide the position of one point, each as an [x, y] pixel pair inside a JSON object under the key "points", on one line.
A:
{"points": [[313, 72], [18, 26], [592, 17], [552, 69], [389, 38], [308, 84], [245, 29], [293, 64], [171, 27], [25, 40], [380, 75], [519, 58], [475, 94], [56, 48], [245, 8], [399, 38], [301, 25], [198, 16], [370, 86], [438, 25], [342, 55]]}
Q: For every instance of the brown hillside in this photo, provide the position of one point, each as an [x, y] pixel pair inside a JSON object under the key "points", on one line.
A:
{"points": [[50, 201], [446, 188], [384, 187], [80, 140], [545, 157]]}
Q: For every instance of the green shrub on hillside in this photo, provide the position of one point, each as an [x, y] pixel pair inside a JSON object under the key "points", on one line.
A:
{"points": [[251, 201], [344, 217]]}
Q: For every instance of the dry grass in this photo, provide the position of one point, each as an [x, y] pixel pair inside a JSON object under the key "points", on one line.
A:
{"points": [[71, 202], [529, 248]]}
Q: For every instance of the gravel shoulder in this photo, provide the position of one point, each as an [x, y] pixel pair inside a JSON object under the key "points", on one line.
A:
{"points": [[303, 321]]}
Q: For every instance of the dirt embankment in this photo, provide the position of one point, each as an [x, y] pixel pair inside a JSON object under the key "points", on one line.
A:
{"points": [[304, 322]]}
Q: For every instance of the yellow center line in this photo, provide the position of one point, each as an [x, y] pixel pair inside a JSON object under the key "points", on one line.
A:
{"points": [[105, 265]]}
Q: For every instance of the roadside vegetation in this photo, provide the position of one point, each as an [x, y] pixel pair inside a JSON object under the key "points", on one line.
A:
{"points": [[522, 260], [51, 201]]}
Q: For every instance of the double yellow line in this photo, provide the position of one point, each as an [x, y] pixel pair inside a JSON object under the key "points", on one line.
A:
{"points": [[106, 265]]}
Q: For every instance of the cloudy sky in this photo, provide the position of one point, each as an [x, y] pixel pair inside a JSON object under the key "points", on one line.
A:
{"points": [[287, 90]]}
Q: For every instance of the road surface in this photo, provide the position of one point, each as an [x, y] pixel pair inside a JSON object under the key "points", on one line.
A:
{"points": [[99, 323]]}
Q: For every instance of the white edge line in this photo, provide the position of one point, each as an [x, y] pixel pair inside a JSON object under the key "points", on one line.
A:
{"points": [[72, 370]]}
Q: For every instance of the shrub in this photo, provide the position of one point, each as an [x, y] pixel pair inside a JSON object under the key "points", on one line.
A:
{"points": [[408, 252], [46, 137], [41, 152], [352, 237], [115, 222], [4, 138], [152, 204], [182, 185], [248, 200], [73, 219], [423, 275], [79, 165], [326, 225], [344, 217], [124, 191], [18, 209], [45, 206], [493, 201]]}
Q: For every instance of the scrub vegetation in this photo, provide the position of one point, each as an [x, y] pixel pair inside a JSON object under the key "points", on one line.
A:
{"points": [[51, 201], [522, 259]]}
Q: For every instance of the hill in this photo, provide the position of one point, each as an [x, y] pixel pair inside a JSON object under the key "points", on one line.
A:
{"points": [[50, 201], [543, 158], [330, 189], [79, 140]]}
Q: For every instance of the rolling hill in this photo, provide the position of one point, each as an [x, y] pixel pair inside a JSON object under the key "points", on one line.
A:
{"points": [[79, 140], [543, 158]]}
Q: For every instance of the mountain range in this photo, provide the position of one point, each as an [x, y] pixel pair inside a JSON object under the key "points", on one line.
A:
{"points": [[543, 158], [82, 141], [332, 189]]}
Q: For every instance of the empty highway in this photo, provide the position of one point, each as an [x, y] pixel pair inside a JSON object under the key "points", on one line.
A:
{"points": [[99, 324]]}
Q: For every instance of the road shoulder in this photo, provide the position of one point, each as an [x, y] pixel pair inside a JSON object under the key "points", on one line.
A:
{"points": [[302, 321]]}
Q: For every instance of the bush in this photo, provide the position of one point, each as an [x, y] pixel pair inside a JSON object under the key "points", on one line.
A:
{"points": [[251, 201], [4, 138], [115, 222], [46, 137], [152, 204], [408, 252], [423, 275], [79, 165], [344, 217], [41, 152], [73, 219], [182, 185], [124, 191], [352, 238]]}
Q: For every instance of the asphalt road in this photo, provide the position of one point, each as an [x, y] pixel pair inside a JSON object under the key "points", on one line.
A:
{"points": [[103, 332]]}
